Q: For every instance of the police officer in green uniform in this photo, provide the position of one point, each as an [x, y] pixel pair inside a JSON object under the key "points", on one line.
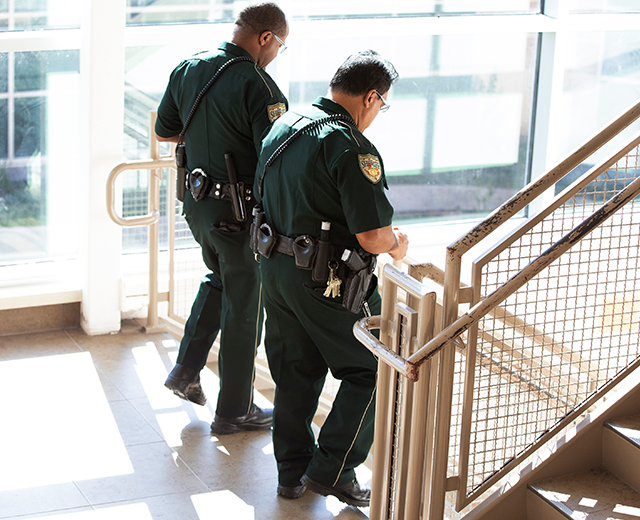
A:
{"points": [[329, 172], [231, 119]]}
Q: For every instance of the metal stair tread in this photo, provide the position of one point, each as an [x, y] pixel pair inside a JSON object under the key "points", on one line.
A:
{"points": [[627, 427], [591, 495]]}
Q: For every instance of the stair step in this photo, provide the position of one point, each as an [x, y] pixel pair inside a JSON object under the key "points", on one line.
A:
{"points": [[592, 495], [628, 427], [621, 449]]}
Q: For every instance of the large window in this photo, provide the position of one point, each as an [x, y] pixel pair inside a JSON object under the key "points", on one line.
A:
{"points": [[456, 140], [38, 138], [456, 143], [601, 80]]}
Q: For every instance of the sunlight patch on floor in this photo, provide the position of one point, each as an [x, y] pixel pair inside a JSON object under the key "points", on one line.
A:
{"points": [[627, 510], [171, 425], [222, 504], [152, 373], [56, 405]]}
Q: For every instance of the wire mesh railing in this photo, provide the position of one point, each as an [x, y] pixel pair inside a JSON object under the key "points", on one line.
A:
{"points": [[563, 335], [552, 326]]}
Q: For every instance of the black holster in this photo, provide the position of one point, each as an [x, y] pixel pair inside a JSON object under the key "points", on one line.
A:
{"points": [[362, 266], [181, 167], [258, 220], [262, 238]]}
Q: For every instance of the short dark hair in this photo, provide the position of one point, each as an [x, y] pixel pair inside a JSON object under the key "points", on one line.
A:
{"points": [[263, 17], [362, 72]]}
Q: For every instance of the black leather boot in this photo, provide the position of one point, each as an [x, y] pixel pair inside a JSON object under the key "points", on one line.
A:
{"points": [[350, 493], [185, 383], [256, 419]]}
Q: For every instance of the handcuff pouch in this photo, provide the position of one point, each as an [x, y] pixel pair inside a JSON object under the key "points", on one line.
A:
{"points": [[304, 251], [199, 184], [266, 240]]}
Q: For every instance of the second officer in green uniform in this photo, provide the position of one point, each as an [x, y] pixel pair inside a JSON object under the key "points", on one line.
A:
{"points": [[328, 172]]}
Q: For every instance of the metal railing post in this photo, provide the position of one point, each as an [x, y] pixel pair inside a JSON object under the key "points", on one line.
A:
{"points": [[402, 437], [446, 364], [155, 175], [155, 165]]}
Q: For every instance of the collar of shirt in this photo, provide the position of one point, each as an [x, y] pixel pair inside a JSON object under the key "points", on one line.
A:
{"points": [[233, 49], [328, 105]]}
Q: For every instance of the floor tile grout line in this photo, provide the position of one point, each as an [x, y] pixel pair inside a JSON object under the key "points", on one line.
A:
{"points": [[66, 331], [64, 510], [146, 421], [100, 505], [207, 487], [89, 504]]}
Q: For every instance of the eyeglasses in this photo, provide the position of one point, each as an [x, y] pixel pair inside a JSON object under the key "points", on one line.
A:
{"points": [[385, 106], [283, 47]]}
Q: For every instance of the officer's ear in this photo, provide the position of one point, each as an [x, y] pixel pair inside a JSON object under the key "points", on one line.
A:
{"points": [[264, 38], [370, 97]]}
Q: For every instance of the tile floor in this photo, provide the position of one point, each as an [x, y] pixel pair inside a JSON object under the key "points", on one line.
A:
{"points": [[90, 433]]}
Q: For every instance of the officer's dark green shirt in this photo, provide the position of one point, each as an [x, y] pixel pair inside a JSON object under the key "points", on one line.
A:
{"points": [[232, 117], [330, 173]]}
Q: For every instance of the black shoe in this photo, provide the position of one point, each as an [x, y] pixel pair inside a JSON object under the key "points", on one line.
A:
{"points": [[350, 493], [256, 419], [185, 383], [291, 492]]}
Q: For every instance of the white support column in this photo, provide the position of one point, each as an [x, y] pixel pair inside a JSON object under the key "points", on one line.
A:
{"points": [[102, 87]]}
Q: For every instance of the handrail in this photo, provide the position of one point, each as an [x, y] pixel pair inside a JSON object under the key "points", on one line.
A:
{"points": [[362, 327], [538, 358], [361, 330], [409, 367], [155, 165], [527, 194], [144, 220], [483, 307]]}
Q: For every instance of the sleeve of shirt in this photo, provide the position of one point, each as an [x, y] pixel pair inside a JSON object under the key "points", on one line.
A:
{"points": [[265, 103], [168, 123], [359, 175]]}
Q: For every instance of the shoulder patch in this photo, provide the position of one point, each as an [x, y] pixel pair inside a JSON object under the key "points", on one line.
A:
{"points": [[370, 166], [275, 111]]}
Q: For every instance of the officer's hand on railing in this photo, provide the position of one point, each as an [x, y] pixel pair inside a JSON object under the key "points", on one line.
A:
{"points": [[384, 240], [399, 251]]}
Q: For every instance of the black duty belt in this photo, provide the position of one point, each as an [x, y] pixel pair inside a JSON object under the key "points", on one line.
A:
{"points": [[284, 245]]}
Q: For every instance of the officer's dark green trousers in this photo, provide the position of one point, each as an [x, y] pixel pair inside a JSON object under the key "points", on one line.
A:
{"points": [[228, 302], [306, 335]]}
